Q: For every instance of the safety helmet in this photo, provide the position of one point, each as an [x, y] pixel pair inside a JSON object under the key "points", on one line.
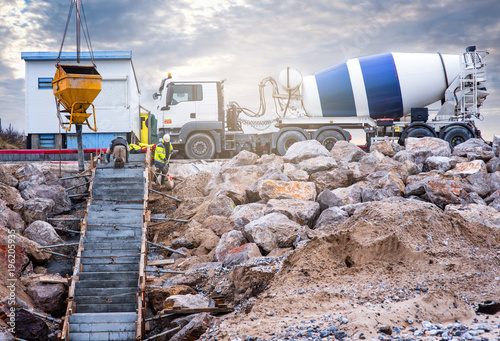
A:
{"points": [[120, 137], [166, 138]]}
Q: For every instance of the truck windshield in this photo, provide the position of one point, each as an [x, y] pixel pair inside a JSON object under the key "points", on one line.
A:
{"points": [[186, 93]]}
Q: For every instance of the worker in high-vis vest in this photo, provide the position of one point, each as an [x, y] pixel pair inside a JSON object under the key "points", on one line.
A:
{"points": [[119, 148], [162, 158]]}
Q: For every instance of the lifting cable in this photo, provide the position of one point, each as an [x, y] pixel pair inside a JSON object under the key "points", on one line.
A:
{"points": [[78, 5]]}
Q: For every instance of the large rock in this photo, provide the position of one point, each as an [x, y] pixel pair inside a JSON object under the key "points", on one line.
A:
{"points": [[303, 212], [475, 175], [244, 214], [218, 224], [328, 199], [476, 214], [419, 149], [294, 173], [435, 146], [474, 149], [344, 152], [274, 230], [9, 240], [30, 327], [365, 166], [42, 233], [492, 197], [228, 241], [7, 178], [158, 296], [406, 169], [55, 192], [349, 195], [443, 192], [221, 205], [49, 297], [50, 178], [12, 197], [236, 181], [330, 218], [195, 328], [493, 165], [493, 180], [272, 189], [242, 254], [202, 238], [24, 248], [271, 174], [37, 209], [439, 163], [304, 150], [30, 173], [332, 179], [387, 186], [388, 148], [187, 301], [243, 158], [495, 204], [258, 232], [318, 164], [496, 145], [10, 219], [415, 184]]}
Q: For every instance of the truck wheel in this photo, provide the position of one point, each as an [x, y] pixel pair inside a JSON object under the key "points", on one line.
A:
{"points": [[420, 132], [457, 135], [287, 139], [200, 146], [329, 137]]}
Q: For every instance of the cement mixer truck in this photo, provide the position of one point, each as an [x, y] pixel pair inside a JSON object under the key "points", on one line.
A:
{"points": [[388, 96]]}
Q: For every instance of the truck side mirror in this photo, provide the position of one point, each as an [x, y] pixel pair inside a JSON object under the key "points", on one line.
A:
{"points": [[156, 95], [170, 95]]}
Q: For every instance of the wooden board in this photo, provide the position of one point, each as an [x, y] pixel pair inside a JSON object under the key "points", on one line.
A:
{"points": [[161, 262]]}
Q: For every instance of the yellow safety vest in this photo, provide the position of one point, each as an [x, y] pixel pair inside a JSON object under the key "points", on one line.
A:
{"points": [[134, 146], [160, 153]]}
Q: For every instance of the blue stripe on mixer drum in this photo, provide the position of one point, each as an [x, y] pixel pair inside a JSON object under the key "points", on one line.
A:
{"points": [[335, 91], [382, 86]]}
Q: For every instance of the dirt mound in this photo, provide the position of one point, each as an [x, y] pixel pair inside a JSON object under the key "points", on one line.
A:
{"points": [[393, 262]]}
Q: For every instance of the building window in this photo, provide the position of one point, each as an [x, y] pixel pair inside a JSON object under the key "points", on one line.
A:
{"points": [[187, 93], [44, 83]]}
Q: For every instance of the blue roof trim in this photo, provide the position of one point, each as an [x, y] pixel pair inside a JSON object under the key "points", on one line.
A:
{"points": [[98, 55]]}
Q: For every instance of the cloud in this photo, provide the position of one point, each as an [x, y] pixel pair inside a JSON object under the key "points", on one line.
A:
{"points": [[244, 41]]}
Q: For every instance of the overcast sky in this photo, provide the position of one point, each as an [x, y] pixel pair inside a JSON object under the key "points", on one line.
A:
{"points": [[244, 41]]}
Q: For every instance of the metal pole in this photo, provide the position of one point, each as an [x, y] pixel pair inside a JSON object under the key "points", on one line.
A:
{"points": [[164, 333], [168, 196], [81, 166], [166, 248]]}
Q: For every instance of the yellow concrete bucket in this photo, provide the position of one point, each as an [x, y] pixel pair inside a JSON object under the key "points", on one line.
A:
{"points": [[75, 88]]}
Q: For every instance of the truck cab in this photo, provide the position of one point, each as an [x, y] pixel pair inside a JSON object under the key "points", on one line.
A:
{"points": [[192, 113]]}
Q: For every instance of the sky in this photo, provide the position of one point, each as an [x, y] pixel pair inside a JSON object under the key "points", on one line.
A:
{"points": [[244, 41]]}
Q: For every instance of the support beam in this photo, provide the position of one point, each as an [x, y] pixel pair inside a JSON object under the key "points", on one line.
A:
{"points": [[167, 248], [168, 196]]}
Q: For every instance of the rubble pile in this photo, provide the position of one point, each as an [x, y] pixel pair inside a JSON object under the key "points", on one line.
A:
{"points": [[31, 282], [398, 242]]}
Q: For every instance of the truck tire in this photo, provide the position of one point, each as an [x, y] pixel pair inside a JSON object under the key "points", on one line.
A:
{"points": [[200, 146], [419, 132], [328, 138], [287, 139], [457, 135]]}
